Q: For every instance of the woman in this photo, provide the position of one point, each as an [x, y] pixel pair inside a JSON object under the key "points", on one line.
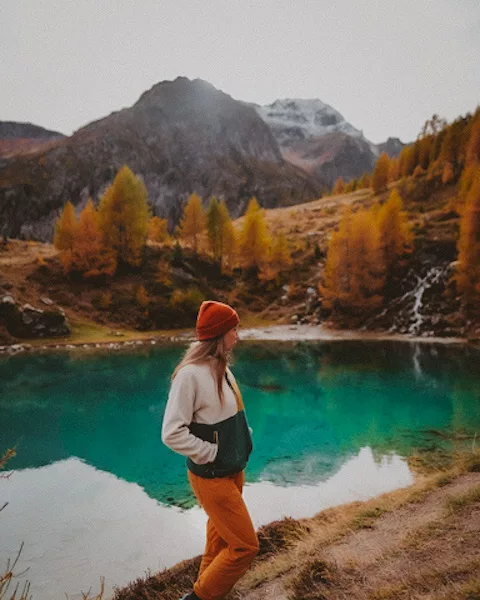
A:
{"points": [[205, 421]]}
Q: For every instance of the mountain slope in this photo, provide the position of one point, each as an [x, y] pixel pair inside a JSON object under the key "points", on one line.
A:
{"points": [[23, 137], [181, 136]]}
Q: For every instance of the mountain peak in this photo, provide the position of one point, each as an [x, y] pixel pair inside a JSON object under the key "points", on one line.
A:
{"points": [[293, 119]]}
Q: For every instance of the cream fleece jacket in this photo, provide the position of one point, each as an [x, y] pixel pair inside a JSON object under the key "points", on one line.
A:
{"points": [[194, 397]]}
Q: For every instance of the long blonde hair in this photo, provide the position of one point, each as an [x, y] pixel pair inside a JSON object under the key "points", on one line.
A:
{"points": [[211, 352]]}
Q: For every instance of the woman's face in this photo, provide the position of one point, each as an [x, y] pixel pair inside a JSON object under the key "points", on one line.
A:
{"points": [[230, 339]]}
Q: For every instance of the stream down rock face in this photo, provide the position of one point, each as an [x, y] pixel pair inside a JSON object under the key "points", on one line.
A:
{"points": [[428, 303], [180, 137], [29, 322]]}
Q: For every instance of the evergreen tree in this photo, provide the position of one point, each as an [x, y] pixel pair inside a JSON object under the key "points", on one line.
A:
{"points": [[468, 270], [381, 173], [192, 224], [254, 236], [124, 216]]}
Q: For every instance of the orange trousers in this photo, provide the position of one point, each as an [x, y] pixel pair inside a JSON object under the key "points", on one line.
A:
{"points": [[231, 539]]}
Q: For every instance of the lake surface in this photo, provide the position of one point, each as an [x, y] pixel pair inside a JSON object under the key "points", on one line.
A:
{"points": [[94, 492]]}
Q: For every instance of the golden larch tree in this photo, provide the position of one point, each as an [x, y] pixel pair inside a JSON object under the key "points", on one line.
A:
{"points": [[394, 231], [192, 223], [339, 186], [215, 227], [89, 255], [230, 245], [381, 173], [158, 230], [394, 170], [65, 228], [364, 181], [64, 236], [254, 236], [280, 254], [353, 276], [473, 144], [123, 215], [468, 269]]}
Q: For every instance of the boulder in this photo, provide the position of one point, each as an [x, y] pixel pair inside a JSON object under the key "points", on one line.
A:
{"points": [[28, 321]]}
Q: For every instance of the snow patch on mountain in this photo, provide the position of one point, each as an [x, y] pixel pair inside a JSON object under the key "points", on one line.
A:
{"points": [[297, 119]]}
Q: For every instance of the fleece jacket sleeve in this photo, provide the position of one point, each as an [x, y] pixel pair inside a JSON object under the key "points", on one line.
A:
{"points": [[178, 416]]}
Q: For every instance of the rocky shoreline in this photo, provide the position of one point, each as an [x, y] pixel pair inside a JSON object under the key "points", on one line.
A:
{"points": [[271, 333]]}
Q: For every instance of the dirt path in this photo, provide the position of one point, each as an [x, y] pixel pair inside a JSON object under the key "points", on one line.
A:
{"points": [[421, 545]]}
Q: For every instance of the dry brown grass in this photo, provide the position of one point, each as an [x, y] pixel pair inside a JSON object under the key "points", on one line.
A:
{"points": [[374, 550]]}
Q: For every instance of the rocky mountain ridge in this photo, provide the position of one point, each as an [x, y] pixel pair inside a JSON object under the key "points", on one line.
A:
{"points": [[295, 119], [181, 136], [317, 138]]}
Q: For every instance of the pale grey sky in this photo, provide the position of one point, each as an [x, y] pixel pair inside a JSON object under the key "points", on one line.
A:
{"points": [[385, 65]]}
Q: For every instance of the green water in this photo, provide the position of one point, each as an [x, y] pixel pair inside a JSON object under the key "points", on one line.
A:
{"points": [[311, 406]]}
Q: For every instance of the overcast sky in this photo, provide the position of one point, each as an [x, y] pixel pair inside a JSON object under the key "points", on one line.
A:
{"points": [[386, 65]]}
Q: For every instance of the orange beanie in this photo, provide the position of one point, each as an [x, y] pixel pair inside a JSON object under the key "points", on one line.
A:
{"points": [[215, 319]]}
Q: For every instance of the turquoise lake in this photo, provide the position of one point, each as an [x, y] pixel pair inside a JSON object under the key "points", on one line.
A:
{"points": [[94, 491]]}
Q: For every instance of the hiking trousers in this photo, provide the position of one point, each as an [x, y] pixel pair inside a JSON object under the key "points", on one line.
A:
{"points": [[231, 539]]}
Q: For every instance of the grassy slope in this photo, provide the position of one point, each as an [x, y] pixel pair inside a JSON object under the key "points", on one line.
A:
{"points": [[305, 226], [417, 542]]}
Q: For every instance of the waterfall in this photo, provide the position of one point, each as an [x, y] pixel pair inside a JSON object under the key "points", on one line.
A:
{"points": [[433, 275], [411, 312]]}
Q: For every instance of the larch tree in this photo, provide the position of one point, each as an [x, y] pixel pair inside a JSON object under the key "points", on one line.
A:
{"points": [[280, 255], [364, 181], [339, 186], [468, 269], [395, 234], [230, 245], [192, 223], [158, 230], [64, 236], [89, 255], [394, 170], [381, 173], [65, 228], [353, 276], [254, 236], [228, 237], [473, 144], [367, 277], [215, 227], [123, 215]]}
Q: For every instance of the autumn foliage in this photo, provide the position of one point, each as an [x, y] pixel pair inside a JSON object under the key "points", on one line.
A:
{"points": [[123, 217], [381, 173], [395, 236], [353, 276], [254, 242], [158, 230], [468, 270], [362, 255], [193, 222], [103, 238]]}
